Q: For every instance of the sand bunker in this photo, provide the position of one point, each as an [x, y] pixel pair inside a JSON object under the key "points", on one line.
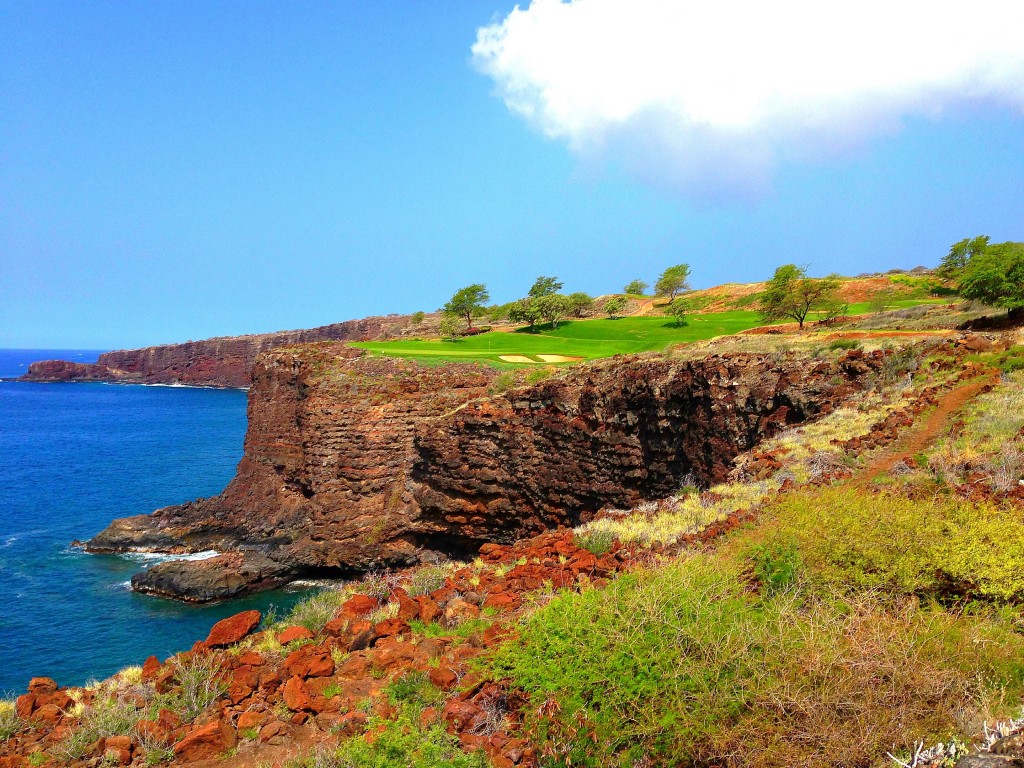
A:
{"points": [[543, 358], [559, 359]]}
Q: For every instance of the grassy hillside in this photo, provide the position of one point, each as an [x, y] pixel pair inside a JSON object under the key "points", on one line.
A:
{"points": [[587, 339]]}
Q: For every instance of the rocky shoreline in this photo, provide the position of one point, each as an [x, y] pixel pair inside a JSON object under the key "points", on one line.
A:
{"points": [[224, 362]]}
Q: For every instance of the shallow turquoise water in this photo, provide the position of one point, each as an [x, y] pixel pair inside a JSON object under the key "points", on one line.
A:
{"points": [[72, 457]]}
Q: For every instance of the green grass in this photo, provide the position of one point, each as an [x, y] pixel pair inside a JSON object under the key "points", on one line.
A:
{"points": [[404, 741], [940, 548], [587, 339], [685, 664]]}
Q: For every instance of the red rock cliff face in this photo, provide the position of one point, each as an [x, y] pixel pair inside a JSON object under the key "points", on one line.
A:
{"points": [[359, 462], [218, 362]]}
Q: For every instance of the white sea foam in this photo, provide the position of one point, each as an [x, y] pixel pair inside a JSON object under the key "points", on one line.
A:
{"points": [[152, 558]]}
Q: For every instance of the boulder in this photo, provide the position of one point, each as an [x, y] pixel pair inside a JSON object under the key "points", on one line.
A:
{"points": [[233, 629], [206, 742], [291, 634], [296, 695]]}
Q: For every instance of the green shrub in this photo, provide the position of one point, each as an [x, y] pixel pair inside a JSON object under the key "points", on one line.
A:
{"points": [[10, 723], [504, 382], [844, 344], [597, 541], [683, 665], [199, 686], [426, 579], [413, 688], [416, 318], [776, 565], [316, 610], [106, 716], [404, 742], [944, 548], [537, 375]]}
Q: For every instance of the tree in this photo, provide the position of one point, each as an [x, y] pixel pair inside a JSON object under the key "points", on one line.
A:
{"points": [[552, 307], [995, 276], [544, 286], [467, 301], [580, 304], [635, 288], [791, 294], [673, 281], [614, 306], [678, 310], [451, 327], [524, 311], [417, 318], [954, 262]]}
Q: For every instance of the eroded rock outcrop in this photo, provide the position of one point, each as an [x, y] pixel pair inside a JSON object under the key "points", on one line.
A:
{"points": [[357, 462], [220, 362]]}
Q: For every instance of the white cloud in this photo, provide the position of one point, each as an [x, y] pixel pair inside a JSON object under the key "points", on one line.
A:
{"points": [[696, 92]]}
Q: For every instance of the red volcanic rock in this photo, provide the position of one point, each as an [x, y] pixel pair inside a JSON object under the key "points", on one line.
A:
{"points": [[296, 695], [429, 610], [150, 668], [443, 677], [458, 611], [251, 719], [233, 629], [24, 705], [358, 606], [309, 661], [204, 743], [42, 686], [408, 608], [251, 659], [291, 634]]}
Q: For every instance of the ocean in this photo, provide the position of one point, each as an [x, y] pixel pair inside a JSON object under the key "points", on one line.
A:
{"points": [[72, 458]]}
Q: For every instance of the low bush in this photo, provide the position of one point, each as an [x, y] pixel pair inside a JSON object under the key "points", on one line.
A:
{"points": [[10, 723], [426, 579], [503, 382], [684, 665], [413, 688], [597, 541], [404, 741], [537, 375], [199, 686], [942, 548], [316, 610], [844, 344], [106, 716]]}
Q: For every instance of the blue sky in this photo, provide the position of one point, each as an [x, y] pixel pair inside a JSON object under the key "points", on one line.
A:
{"points": [[173, 171]]}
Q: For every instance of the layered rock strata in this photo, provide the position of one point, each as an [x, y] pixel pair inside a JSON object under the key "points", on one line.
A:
{"points": [[218, 362], [353, 463]]}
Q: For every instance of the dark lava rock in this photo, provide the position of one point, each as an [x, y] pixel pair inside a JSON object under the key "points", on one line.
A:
{"points": [[216, 578]]}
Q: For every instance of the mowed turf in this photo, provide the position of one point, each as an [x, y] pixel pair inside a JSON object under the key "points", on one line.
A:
{"points": [[587, 339]]}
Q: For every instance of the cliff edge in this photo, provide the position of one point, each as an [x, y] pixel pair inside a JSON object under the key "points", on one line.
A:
{"points": [[355, 462], [219, 362]]}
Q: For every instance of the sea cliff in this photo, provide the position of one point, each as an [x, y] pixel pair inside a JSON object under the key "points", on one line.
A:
{"points": [[219, 362], [355, 462]]}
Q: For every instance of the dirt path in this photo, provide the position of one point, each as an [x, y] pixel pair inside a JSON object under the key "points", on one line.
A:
{"points": [[645, 308], [926, 432]]}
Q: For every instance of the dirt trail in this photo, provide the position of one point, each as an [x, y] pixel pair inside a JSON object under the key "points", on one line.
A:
{"points": [[645, 307], [924, 433]]}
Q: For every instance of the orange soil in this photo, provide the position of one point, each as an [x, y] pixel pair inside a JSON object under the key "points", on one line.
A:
{"points": [[919, 438]]}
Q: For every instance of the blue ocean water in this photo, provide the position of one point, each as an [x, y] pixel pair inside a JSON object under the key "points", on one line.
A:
{"points": [[73, 457]]}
